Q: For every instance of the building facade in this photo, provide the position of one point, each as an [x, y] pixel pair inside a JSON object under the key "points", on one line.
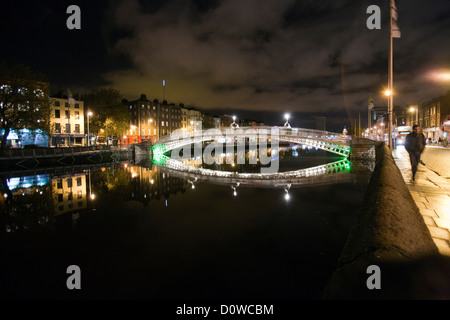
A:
{"points": [[143, 120], [150, 120], [432, 116], [67, 123]]}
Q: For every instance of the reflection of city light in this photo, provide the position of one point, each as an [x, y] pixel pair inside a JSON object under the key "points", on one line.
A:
{"points": [[235, 193], [92, 196], [286, 196], [5, 195], [152, 181]]}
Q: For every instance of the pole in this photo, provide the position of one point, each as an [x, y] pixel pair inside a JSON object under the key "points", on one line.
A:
{"points": [[391, 98], [88, 139], [68, 122]]}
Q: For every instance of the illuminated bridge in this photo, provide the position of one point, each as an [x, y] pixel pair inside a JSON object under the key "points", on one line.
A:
{"points": [[328, 141], [324, 140]]}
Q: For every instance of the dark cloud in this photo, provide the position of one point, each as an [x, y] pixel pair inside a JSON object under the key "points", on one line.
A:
{"points": [[307, 57]]}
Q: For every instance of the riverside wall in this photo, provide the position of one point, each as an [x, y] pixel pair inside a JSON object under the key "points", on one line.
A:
{"points": [[391, 235]]}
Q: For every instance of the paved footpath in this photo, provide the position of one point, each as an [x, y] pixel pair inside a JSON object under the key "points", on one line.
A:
{"points": [[431, 192]]}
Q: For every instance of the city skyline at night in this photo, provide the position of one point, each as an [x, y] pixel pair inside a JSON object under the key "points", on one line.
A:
{"points": [[256, 59]]}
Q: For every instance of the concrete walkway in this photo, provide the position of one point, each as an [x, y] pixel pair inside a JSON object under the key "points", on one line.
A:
{"points": [[431, 192]]}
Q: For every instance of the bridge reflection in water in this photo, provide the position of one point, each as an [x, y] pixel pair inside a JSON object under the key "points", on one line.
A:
{"points": [[334, 172]]}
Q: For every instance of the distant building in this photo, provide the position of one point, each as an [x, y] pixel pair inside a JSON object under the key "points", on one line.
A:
{"points": [[67, 122], [191, 119], [226, 120], [251, 123], [143, 120], [150, 120], [434, 118], [169, 118]]}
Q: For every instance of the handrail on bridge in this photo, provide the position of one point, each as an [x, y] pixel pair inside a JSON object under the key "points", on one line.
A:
{"points": [[324, 140], [294, 132]]}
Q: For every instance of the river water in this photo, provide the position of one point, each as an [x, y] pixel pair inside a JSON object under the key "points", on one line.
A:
{"points": [[146, 231]]}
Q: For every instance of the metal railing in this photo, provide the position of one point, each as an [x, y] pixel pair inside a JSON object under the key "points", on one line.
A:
{"points": [[48, 152], [244, 131]]}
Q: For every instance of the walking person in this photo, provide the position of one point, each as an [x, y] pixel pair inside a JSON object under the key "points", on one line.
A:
{"points": [[415, 144]]}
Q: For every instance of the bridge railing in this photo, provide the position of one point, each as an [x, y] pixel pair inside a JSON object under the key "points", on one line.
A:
{"points": [[230, 132]]}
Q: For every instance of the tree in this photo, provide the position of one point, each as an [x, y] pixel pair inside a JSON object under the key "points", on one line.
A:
{"points": [[109, 112], [24, 100]]}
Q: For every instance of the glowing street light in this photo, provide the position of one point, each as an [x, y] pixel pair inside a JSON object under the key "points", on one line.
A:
{"points": [[416, 110], [287, 116], [234, 124]]}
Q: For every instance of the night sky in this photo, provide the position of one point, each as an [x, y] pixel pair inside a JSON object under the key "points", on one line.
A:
{"points": [[253, 58]]}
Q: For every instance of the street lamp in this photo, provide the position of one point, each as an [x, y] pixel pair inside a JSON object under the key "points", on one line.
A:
{"points": [[412, 109], [234, 124], [88, 115], [287, 116]]}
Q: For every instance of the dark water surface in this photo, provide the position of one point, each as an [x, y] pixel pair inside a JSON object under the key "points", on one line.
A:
{"points": [[141, 232]]}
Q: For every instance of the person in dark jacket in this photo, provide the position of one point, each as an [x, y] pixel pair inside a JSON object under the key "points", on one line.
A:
{"points": [[415, 144]]}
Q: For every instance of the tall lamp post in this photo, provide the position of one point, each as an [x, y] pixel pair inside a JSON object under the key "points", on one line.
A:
{"points": [[287, 116], [234, 124], [388, 94], [89, 138]]}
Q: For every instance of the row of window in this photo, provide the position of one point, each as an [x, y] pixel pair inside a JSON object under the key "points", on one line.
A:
{"points": [[70, 196], [67, 129], [66, 104], [67, 114], [69, 182], [163, 109], [8, 89]]}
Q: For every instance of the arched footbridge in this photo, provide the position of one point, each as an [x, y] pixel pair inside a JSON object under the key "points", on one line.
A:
{"points": [[324, 140]]}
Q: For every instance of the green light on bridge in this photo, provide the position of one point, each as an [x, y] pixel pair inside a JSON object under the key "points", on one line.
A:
{"points": [[158, 149], [159, 159]]}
